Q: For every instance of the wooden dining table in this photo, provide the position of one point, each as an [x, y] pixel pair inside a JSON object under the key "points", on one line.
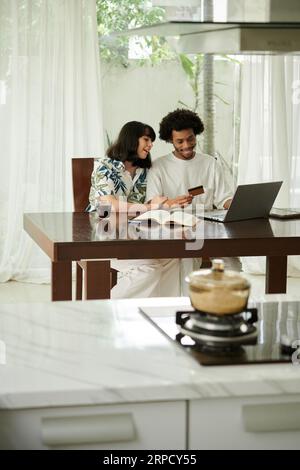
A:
{"points": [[67, 237]]}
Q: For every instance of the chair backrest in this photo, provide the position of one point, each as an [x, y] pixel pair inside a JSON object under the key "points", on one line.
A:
{"points": [[82, 169]]}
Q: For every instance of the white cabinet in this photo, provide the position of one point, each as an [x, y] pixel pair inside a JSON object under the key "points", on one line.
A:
{"points": [[217, 423], [245, 423], [160, 425]]}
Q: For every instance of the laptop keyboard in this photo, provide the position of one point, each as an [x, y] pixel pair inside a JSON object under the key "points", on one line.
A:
{"points": [[215, 215]]}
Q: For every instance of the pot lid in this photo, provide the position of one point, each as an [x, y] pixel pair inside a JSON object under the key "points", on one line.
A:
{"points": [[217, 277]]}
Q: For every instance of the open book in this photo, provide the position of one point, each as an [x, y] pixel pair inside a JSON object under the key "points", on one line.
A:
{"points": [[165, 217]]}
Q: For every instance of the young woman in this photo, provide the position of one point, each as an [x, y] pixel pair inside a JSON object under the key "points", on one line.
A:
{"points": [[120, 179], [122, 174]]}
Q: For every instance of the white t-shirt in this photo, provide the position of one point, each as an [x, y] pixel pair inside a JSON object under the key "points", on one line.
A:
{"points": [[170, 176]]}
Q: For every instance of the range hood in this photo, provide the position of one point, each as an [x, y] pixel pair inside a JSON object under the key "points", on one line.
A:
{"points": [[258, 26]]}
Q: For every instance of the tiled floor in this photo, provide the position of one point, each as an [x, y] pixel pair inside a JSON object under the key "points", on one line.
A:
{"points": [[26, 292]]}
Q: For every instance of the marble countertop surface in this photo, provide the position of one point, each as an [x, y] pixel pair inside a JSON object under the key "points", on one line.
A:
{"points": [[105, 352]]}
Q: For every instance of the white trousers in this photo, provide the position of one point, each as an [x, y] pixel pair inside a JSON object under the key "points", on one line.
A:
{"points": [[146, 278], [188, 265], [157, 277]]}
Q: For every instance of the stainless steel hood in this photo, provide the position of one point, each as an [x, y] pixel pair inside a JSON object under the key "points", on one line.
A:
{"points": [[228, 38], [258, 26]]}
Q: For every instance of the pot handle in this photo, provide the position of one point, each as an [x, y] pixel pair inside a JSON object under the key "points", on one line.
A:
{"points": [[181, 317], [253, 318]]}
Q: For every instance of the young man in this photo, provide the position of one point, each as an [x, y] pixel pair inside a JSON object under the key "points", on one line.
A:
{"points": [[174, 174]]}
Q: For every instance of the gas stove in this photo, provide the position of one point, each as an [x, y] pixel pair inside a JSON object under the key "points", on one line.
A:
{"points": [[215, 333], [265, 333]]}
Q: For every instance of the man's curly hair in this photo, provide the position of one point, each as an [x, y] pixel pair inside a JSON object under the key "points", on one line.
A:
{"points": [[179, 120]]}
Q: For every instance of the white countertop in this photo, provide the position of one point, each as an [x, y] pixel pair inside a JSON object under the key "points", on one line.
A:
{"points": [[104, 352]]}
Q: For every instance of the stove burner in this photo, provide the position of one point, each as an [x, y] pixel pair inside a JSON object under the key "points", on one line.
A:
{"points": [[278, 327], [217, 333]]}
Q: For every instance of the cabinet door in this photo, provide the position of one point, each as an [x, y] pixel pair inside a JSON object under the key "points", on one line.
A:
{"points": [[159, 425], [245, 423]]}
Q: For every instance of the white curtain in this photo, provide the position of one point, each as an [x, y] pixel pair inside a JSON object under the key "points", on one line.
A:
{"points": [[269, 133], [50, 110]]}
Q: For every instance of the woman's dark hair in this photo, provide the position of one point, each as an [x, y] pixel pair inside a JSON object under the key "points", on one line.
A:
{"points": [[126, 145], [179, 120]]}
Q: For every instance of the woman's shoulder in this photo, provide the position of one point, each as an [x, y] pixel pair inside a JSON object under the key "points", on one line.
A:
{"points": [[107, 164]]}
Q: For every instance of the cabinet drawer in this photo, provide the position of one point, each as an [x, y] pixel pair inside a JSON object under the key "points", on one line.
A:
{"points": [[245, 423], [159, 425]]}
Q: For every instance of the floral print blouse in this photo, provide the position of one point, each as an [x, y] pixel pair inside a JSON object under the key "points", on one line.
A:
{"points": [[110, 178]]}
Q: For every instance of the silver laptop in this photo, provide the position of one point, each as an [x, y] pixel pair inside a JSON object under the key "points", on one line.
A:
{"points": [[250, 201]]}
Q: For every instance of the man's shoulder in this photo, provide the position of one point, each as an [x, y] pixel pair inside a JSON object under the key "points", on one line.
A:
{"points": [[205, 157], [166, 160], [162, 161]]}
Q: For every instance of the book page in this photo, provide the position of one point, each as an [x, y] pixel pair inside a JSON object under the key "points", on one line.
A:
{"points": [[160, 216], [183, 218]]}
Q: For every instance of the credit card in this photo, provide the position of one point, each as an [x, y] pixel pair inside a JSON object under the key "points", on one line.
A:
{"points": [[196, 191]]}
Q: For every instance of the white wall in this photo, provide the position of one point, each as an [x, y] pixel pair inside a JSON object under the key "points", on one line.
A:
{"points": [[149, 93]]}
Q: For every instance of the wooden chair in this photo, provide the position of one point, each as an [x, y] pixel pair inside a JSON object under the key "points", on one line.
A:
{"points": [[82, 169]]}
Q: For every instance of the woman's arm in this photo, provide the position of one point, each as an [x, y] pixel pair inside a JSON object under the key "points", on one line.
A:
{"points": [[119, 205]]}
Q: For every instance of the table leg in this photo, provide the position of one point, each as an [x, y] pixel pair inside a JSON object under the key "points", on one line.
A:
{"points": [[78, 281], [61, 280], [276, 271], [96, 279]]}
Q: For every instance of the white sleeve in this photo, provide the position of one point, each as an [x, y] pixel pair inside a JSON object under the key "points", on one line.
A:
{"points": [[154, 186], [222, 190]]}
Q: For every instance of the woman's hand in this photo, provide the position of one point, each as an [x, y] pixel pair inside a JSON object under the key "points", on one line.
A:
{"points": [[157, 202]]}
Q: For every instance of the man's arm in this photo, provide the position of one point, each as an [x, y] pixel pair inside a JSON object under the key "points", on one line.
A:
{"points": [[222, 190], [179, 201], [227, 203], [154, 189], [154, 186], [120, 205]]}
